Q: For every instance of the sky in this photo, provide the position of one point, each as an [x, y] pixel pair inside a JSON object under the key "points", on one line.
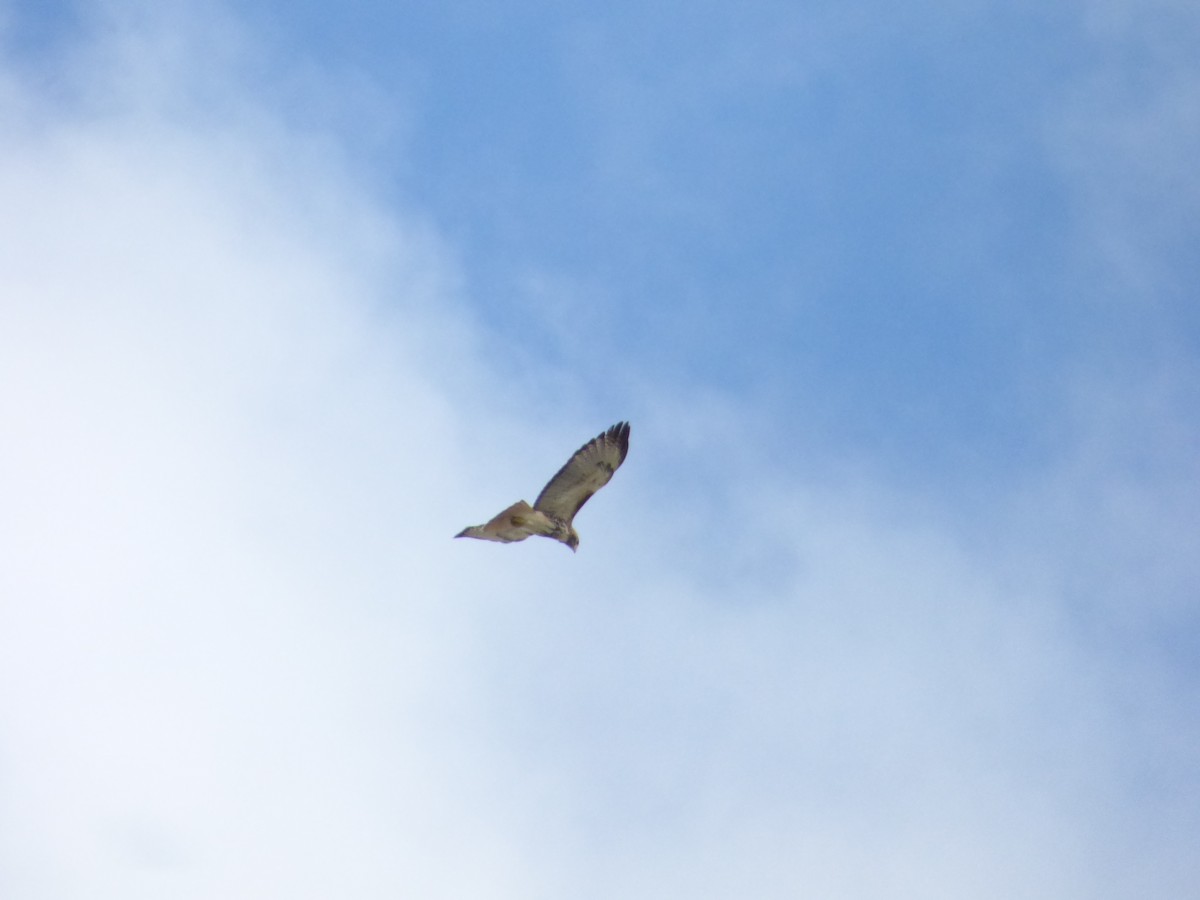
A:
{"points": [[897, 593]]}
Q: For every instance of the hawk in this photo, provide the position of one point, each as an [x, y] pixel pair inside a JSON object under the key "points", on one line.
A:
{"points": [[588, 470]]}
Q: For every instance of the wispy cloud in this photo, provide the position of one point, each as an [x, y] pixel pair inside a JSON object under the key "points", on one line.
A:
{"points": [[246, 404]]}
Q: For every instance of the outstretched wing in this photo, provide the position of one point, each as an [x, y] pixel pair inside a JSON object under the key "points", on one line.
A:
{"points": [[585, 473]]}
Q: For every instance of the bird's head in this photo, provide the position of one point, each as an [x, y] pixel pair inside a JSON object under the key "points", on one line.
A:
{"points": [[572, 540]]}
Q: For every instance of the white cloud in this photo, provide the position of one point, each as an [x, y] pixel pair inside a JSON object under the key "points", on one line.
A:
{"points": [[244, 409], [213, 431]]}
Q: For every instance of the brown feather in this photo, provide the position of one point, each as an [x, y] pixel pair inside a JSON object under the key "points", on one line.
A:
{"points": [[588, 470]]}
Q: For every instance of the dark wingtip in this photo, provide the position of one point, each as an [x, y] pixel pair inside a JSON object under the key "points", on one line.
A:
{"points": [[620, 434]]}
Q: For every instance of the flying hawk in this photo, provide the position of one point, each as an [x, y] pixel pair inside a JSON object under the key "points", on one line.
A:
{"points": [[552, 512]]}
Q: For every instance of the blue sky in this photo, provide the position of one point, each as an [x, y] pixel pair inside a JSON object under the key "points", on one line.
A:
{"points": [[896, 594]]}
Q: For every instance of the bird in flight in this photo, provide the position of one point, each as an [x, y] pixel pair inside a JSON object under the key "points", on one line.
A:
{"points": [[588, 470]]}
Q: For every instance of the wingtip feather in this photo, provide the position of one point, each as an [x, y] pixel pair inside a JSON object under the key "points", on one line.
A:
{"points": [[619, 433]]}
